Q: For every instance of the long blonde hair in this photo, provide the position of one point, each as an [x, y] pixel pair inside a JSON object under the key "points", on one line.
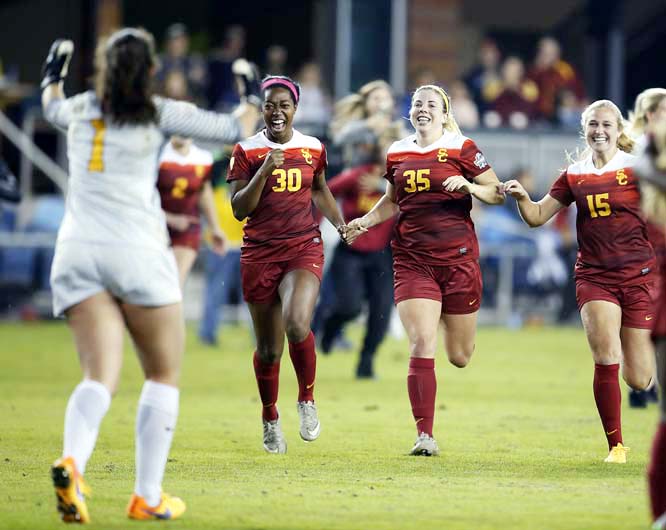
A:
{"points": [[646, 101], [653, 197], [451, 123], [352, 107], [624, 141]]}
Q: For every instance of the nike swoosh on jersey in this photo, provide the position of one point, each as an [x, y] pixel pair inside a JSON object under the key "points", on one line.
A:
{"points": [[262, 155]]}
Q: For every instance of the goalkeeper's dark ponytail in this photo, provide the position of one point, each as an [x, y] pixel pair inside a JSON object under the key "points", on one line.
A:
{"points": [[124, 77]]}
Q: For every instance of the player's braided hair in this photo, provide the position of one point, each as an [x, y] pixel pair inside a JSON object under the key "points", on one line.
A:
{"points": [[124, 76]]}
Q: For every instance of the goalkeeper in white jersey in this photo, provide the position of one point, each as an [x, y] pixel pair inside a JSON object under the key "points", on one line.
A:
{"points": [[113, 268]]}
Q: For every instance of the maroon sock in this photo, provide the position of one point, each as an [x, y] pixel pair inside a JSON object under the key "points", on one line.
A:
{"points": [[304, 360], [608, 397], [268, 381], [422, 388], [657, 472]]}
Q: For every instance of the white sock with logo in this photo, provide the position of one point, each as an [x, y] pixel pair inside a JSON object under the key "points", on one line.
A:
{"points": [[86, 409], [155, 422]]}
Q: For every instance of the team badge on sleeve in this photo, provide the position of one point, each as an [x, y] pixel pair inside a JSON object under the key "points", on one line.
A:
{"points": [[480, 161]]}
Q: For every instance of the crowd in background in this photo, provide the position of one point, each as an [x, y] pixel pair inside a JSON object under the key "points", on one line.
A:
{"points": [[499, 91]]}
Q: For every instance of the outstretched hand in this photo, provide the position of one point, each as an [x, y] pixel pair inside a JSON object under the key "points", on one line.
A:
{"points": [[247, 81], [57, 61], [515, 189], [355, 228]]}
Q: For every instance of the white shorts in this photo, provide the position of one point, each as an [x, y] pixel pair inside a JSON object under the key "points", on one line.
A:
{"points": [[138, 276]]}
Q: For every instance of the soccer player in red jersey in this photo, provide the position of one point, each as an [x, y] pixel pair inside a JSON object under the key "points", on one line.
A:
{"points": [[275, 176], [650, 116], [432, 176], [185, 191], [615, 270]]}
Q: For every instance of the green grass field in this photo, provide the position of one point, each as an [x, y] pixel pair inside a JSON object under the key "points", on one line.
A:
{"points": [[522, 446]]}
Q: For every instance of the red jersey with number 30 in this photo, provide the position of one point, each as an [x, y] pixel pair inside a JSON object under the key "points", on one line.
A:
{"points": [[434, 225], [613, 246], [282, 224]]}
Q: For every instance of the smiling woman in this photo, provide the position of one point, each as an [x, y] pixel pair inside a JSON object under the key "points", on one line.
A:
{"points": [[275, 176], [615, 270], [432, 176]]}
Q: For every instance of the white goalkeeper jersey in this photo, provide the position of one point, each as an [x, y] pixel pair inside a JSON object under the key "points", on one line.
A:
{"points": [[113, 197]]}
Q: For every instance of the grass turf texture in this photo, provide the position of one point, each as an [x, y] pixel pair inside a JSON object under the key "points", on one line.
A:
{"points": [[522, 446]]}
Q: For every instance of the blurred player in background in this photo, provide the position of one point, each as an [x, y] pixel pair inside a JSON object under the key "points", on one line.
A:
{"points": [[185, 189], [113, 269], [649, 108], [275, 176], [362, 271], [615, 270], [652, 168], [432, 177]]}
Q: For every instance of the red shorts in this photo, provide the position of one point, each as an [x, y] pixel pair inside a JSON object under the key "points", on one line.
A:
{"points": [[636, 301], [189, 238], [458, 287], [260, 280]]}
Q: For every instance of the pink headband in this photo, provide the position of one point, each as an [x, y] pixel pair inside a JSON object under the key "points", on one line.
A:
{"points": [[281, 81]]}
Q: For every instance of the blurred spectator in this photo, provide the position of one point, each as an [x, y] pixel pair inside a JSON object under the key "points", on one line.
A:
{"points": [[516, 97], [467, 114], [552, 75], [223, 278], [222, 94], [276, 61], [178, 59], [481, 79], [175, 86], [314, 106], [363, 118], [569, 110]]}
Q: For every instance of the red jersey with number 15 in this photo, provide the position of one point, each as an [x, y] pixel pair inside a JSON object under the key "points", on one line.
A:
{"points": [[434, 225], [613, 246], [282, 224]]}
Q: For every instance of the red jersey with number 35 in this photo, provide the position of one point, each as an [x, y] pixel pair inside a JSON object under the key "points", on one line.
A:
{"points": [[282, 224], [434, 225], [613, 246]]}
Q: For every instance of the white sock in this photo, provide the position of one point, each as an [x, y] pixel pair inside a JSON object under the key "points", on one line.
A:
{"points": [[155, 422], [86, 408]]}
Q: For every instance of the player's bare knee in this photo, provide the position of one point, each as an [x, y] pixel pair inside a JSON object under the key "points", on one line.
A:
{"points": [[638, 381], [460, 358], [296, 330], [422, 347], [268, 355]]}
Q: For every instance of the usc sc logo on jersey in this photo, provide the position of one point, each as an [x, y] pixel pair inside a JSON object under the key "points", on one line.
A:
{"points": [[442, 155], [199, 171], [621, 177], [306, 155]]}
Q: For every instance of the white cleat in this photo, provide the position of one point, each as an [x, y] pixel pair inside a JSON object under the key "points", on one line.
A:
{"points": [[310, 426], [425, 446], [274, 441]]}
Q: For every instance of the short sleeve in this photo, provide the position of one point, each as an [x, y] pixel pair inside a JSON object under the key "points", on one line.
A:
{"points": [[472, 160], [323, 161], [561, 191], [239, 166], [390, 170]]}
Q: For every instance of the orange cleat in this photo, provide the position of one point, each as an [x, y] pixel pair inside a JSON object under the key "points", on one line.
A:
{"points": [[168, 508], [70, 491]]}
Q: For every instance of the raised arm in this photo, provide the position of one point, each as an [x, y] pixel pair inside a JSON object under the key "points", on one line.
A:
{"points": [[54, 72], [533, 213]]}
